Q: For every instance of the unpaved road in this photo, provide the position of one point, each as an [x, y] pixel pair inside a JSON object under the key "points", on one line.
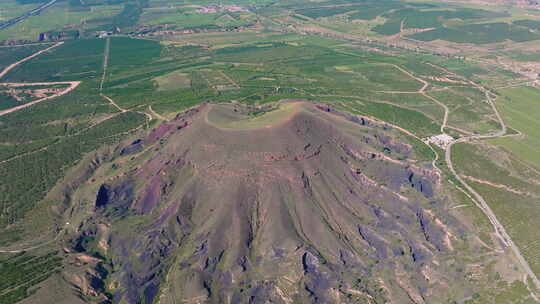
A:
{"points": [[500, 231], [156, 114], [25, 84], [72, 86], [105, 62], [113, 103]]}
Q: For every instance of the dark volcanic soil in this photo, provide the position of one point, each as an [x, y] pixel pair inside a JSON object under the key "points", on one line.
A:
{"points": [[309, 206]]}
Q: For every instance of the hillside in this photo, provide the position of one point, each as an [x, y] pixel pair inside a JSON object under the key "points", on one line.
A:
{"points": [[292, 203]]}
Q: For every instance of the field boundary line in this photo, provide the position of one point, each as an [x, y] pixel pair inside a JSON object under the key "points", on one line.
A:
{"points": [[105, 62]]}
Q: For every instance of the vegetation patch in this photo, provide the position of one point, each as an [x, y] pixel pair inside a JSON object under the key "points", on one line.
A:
{"points": [[173, 80]]}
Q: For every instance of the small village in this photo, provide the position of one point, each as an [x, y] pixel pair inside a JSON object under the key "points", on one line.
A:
{"points": [[215, 8]]}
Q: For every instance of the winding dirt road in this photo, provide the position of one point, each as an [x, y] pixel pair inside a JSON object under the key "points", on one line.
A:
{"points": [[421, 91]]}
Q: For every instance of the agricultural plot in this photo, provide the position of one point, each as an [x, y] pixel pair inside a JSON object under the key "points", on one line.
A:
{"points": [[326, 11], [266, 53], [468, 109], [365, 10], [414, 101], [461, 25], [387, 77], [389, 28], [532, 24], [408, 119], [172, 81], [126, 52], [9, 55], [511, 189], [520, 109], [133, 67], [480, 33], [372, 10], [415, 18], [217, 79], [21, 272], [74, 60], [227, 39], [190, 19]]}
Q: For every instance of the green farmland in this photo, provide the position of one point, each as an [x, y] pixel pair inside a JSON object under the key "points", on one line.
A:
{"points": [[520, 109]]}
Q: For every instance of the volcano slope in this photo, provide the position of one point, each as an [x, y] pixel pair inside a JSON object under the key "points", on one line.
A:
{"points": [[297, 204]]}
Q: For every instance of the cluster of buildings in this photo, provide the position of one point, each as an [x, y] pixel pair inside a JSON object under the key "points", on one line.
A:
{"points": [[215, 8], [441, 140]]}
